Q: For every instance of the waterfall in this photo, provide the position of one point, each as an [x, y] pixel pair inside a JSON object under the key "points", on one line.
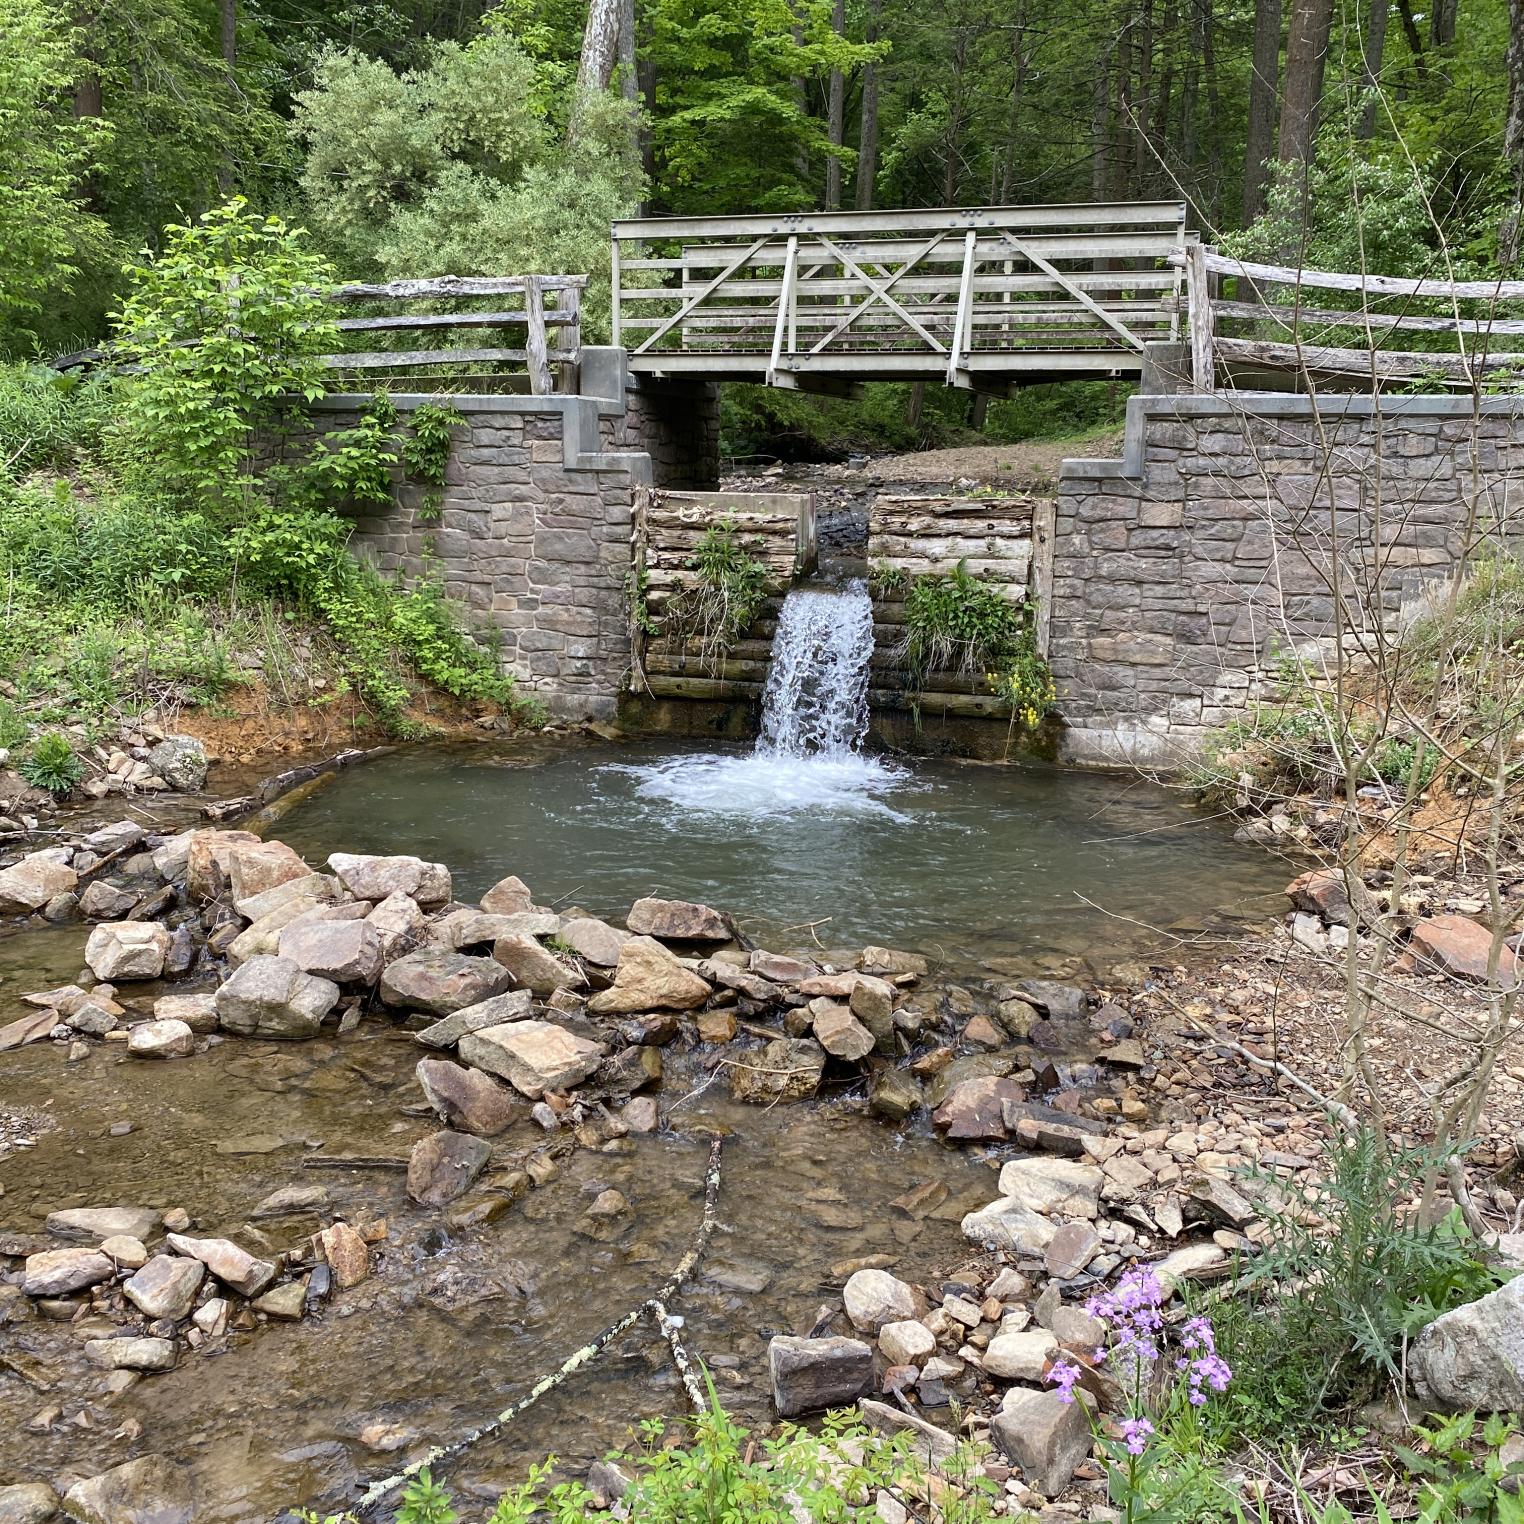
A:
{"points": [[815, 701]]}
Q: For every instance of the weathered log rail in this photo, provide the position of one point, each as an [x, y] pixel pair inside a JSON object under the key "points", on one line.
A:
{"points": [[1284, 318], [976, 297], [528, 309]]}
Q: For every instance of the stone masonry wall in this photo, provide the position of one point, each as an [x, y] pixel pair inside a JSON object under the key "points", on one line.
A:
{"points": [[1224, 534], [676, 423], [532, 539]]}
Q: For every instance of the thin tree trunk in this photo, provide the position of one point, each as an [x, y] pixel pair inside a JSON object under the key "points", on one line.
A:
{"points": [[1442, 25], [1100, 127], [1513, 130], [1264, 87], [629, 86], [867, 133], [1415, 40], [836, 110], [1375, 47], [1142, 100], [1214, 105], [227, 19], [1018, 90], [600, 45]]}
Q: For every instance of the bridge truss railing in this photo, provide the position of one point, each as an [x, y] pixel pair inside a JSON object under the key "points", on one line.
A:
{"points": [[976, 297]]}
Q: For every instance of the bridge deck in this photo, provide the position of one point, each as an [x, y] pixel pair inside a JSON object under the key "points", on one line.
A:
{"points": [[983, 297]]}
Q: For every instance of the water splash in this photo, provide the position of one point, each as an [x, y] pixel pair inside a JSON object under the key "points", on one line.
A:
{"points": [[814, 721], [815, 702]]}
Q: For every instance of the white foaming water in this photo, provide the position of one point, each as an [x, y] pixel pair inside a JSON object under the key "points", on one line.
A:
{"points": [[814, 719]]}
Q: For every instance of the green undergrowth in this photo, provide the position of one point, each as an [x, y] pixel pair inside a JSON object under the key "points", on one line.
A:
{"points": [[178, 530], [719, 602]]}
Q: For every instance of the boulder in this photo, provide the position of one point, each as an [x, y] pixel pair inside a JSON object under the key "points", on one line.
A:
{"points": [[894, 1094], [780, 969], [28, 885], [377, 878], [287, 1302], [211, 1317], [1472, 1358], [1070, 1250], [1324, 892], [121, 950], [28, 1503], [90, 1225], [57, 1272], [1008, 1227], [594, 941], [785, 1069], [889, 960], [149, 1490], [931, 1446], [231, 1265], [513, 1006], [1058, 1187], [468, 1099], [907, 1343], [872, 1002], [207, 856], [1043, 1436], [1062, 1002], [874, 1297], [1194, 1261], [161, 1039], [103, 901], [198, 1012], [348, 952], [1457, 945], [273, 998], [975, 1108], [126, 1252], [91, 1018], [166, 1286], [838, 1031], [533, 1056], [445, 1165], [810, 1375], [649, 978], [400, 922], [509, 896], [309, 888], [180, 761], [290, 1200], [475, 928], [440, 982], [1020, 1356], [533, 967], [262, 938], [678, 921], [256, 867]]}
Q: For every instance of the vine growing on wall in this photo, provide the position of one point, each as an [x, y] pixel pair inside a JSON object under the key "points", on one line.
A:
{"points": [[426, 452]]}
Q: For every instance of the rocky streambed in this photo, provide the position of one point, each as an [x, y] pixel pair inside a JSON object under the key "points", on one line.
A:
{"points": [[372, 1160]]}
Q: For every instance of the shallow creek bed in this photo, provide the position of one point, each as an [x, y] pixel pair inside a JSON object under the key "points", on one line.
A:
{"points": [[311, 1279]]}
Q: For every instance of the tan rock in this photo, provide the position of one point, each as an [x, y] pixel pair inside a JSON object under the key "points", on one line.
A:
{"points": [[346, 1253], [649, 978]]}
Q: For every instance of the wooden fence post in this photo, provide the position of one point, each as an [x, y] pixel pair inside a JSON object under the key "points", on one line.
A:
{"points": [[540, 383], [1198, 297]]}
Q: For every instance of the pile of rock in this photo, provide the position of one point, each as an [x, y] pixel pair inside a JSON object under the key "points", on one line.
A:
{"points": [[139, 1301]]}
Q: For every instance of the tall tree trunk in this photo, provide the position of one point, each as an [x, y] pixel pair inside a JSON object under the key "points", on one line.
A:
{"points": [[867, 132], [1442, 24], [645, 72], [1214, 105], [1142, 99], [227, 27], [629, 86], [1100, 126], [1264, 86], [600, 45], [1306, 54], [1018, 91], [1375, 48], [836, 111]]}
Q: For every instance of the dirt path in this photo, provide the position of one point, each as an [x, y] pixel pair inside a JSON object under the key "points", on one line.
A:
{"points": [[1031, 466]]}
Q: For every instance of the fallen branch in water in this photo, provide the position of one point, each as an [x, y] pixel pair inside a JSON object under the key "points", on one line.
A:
{"points": [[357, 1161], [378, 1492]]}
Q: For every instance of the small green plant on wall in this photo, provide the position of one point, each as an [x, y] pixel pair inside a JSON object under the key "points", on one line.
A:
{"points": [[956, 623], [426, 452], [719, 604]]}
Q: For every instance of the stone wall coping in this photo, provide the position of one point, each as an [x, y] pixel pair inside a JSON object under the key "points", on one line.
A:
{"points": [[1237, 405]]}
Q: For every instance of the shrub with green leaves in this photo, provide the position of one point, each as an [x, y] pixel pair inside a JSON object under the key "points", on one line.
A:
{"points": [[50, 764], [718, 604]]}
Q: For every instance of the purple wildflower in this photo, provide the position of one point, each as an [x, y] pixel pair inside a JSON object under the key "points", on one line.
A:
{"points": [[1063, 1374], [1135, 1433], [1131, 1311]]}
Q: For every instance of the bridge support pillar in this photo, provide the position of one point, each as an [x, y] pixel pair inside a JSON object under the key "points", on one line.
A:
{"points": [[1166, 371], [677, 423]]}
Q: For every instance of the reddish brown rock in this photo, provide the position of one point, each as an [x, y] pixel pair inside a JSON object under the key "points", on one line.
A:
{"points": [[975, 1109], [346, 1253], [1324, 892], [1455, 944]]}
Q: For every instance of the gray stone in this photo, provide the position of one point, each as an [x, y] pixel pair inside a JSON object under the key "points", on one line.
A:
{"points": [[874, 1297], [273, 998], [180, 761], [127, 950], [307, 888], [513, 1006], [92, 1224], [440, 982], [161, 1039], [28, 1503], [1019, 1356], [810, 1375], [149, 1490], [28, 885], [57, 1272], [286, 1302], [1044, 1436], [348, 952], [131, 1354], [908, 1342], [785, 1069], [838, 1031], [475, 928], [468, 1099], [594, 941], [678, 921], [400, 922], [166, 1286], [103, 901], [377, 878], [231, 1265], [509, 896], [1472, 1358], [1008, 1227], [931, 1445], [534, 967], [533, 1056], [1060, 1187], [895, 1094], [445, 1165]]}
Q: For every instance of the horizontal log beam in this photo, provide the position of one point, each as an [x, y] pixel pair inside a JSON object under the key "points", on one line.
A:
{"points": [[406, 321], [385, 359], [1377, 323], [435, 287], [1386, 365], [1374, 285]]}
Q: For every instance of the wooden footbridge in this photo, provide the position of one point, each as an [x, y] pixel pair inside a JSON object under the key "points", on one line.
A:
{"points": [[980, 297]]}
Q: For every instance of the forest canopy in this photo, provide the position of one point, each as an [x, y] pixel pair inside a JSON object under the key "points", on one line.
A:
{"points": [[425, 138]]}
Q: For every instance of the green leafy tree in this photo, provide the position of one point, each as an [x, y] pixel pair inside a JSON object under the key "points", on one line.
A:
{"points": [[227, 323], [44, 228]]}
